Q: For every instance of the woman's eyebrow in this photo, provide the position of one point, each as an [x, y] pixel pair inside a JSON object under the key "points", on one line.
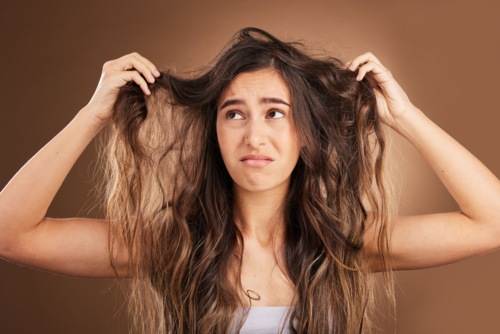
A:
{"points": [[264, 100]]}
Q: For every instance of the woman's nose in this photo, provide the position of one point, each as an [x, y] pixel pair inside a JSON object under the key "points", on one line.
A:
{"points": [[255, 135]]}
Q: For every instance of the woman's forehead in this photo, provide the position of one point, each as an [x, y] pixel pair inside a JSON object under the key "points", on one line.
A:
{"points": [[258, 84]]}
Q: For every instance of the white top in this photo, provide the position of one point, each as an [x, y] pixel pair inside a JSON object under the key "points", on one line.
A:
{"points": [[265, 320]]}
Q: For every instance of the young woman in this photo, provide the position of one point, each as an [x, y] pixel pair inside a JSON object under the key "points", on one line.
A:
{"points": [[253, 189]]}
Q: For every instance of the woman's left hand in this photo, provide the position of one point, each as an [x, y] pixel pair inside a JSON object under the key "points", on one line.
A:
{"points": [[396, 103]]}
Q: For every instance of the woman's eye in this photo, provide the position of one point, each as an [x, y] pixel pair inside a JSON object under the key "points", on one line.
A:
{"points": [[271, 113], [231, 113], [274, 112]]}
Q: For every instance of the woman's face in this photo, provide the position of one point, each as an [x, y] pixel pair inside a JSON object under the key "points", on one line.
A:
{"points": [[257, 105]]}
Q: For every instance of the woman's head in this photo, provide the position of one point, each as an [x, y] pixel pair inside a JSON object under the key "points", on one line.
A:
{"points": [[255, 117], [173, 158]]}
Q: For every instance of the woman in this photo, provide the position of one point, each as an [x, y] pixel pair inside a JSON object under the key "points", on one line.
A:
{"points": [[256, 186]]}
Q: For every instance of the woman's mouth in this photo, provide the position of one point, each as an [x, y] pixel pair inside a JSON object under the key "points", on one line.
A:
{"points": [[256, 162]]}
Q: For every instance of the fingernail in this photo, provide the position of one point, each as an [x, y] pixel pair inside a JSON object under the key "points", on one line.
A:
{"points": [[351, 66], [156, 72]]}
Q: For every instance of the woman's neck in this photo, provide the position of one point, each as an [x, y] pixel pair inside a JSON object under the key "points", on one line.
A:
{"points": [[259, 215]]}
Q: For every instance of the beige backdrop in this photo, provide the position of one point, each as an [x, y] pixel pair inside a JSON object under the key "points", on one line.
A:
{"points": [[443, 53]]}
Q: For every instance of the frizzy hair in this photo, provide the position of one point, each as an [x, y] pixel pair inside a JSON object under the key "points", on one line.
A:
{"points": [[168, 195]]}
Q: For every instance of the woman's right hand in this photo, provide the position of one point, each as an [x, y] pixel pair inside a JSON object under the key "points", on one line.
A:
{"points": [[115, 74]]}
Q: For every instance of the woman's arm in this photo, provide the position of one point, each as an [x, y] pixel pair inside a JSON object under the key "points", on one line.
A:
{"points": [[73, 246], [437, 239], [432, 240], [24, 201]]}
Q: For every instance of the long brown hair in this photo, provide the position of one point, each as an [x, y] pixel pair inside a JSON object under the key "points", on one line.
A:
{"points": [[168, 194]]}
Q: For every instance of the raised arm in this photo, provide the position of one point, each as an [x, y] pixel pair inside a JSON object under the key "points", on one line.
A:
{"points": [[73, 246], [437, 239]]}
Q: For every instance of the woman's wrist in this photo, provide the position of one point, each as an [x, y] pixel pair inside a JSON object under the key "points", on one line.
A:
{"points": [[409, 122], [86, 116]]}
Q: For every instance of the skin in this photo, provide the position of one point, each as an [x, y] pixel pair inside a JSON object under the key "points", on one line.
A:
{"points": [[416, 241], [437, 239], [270, 129], [78, 246], [259, 190]]}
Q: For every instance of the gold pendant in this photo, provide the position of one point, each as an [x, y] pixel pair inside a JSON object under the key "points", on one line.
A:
{"points": [[248, 295]]}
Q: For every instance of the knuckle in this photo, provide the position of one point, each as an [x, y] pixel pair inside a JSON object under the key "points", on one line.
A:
{"points": [[139, 77], [106, 73]]}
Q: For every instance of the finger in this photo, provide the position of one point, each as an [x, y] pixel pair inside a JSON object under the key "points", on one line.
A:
{"points": [[136, 77], [151, 66], [369, 66], [364, 58], [134, 61]]}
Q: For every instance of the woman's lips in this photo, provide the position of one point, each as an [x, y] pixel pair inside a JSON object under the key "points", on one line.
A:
{"points": [[256, 162]]}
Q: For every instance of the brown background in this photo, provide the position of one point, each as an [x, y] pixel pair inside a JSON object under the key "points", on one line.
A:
{"points": [[443, 53]]}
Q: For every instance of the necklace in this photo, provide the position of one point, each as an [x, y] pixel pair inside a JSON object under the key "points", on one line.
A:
{"points": [[250, 297]]}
